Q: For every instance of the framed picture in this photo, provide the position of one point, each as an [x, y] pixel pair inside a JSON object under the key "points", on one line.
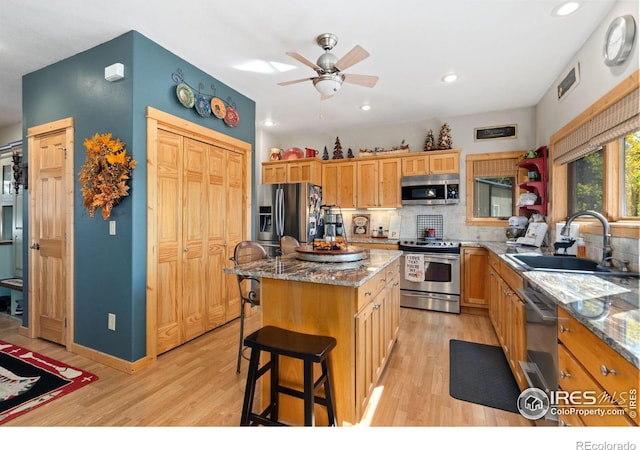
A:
{"points": [[497, 132], [569, 82], [360, 224]]}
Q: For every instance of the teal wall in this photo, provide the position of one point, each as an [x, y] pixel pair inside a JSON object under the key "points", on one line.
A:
{"points": [[110, 271]]}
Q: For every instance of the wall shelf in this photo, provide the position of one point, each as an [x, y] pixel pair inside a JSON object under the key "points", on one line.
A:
{"points": [[539, 185]]}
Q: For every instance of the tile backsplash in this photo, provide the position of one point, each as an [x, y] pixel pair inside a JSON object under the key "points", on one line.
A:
{"points": [[455, 228]]}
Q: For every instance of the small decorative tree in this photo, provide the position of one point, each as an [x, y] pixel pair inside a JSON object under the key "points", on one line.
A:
{"points": [[350, 153], [429, 142], [445, 142], [337, 150], [325, 154]]}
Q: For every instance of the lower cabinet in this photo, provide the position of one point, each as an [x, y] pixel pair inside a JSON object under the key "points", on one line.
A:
{"points": [[507, 315], [377, 324], [473, 270], [588, 366]]}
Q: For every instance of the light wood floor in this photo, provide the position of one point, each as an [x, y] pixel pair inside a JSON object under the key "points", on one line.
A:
{"points": [[196, 384]]}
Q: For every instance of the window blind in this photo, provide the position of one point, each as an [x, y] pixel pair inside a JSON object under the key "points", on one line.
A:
{"points": [[614, 122], [496, 168]]}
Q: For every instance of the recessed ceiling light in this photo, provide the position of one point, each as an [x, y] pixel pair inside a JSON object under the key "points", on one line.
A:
{"points": [[268, 123], [365, 107], [450, 78], [565, 9]]}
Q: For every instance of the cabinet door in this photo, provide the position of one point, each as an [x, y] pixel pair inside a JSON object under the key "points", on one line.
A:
{"points": [[389, 173], [444, 163], [347, 182], [330, 184], [367, 196], [415, 165], [234, 226], [365, 342], [518, 350], [273, 173], [474, 271]]}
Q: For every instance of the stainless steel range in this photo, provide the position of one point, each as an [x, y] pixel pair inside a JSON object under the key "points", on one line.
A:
{"points": [[430, 275]]}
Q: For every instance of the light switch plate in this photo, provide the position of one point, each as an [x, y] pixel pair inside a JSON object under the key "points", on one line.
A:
{"points": [[112, 227]]}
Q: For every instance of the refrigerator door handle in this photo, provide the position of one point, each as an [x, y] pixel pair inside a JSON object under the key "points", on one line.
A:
{"points": [[280, 213]]}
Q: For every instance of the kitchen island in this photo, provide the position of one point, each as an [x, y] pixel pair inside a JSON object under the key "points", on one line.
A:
{"points": [[358, 303]]}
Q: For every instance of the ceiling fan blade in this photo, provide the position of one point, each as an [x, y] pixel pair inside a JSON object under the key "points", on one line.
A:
{"points": [[362, 80], [287, 83], [355, 55], [304, 60]]}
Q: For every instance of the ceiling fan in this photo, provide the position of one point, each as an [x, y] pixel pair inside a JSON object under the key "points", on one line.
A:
{"points": [[330, 69]]}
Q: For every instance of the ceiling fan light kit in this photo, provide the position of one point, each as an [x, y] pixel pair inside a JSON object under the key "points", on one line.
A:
{"points": [[329, 68]]}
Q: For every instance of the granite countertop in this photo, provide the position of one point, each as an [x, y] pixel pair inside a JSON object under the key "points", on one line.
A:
{"points": [[371, 240], [353, 274], [609, 306]]}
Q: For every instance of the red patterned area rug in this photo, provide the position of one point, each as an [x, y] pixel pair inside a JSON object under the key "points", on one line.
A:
{"points": [[29, 380]]}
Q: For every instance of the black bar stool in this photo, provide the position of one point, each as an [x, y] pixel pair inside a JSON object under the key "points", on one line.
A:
{"points": [[307, 347]]}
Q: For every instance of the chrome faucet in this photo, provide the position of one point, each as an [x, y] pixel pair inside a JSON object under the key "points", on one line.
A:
{"points": [[606, 233]]}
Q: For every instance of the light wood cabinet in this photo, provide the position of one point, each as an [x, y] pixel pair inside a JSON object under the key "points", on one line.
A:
{"points": [[364, 321], [431, 163], [379, 183], [507, 314], [474, 277], [292, 171], [586, 363], [339, 182]]}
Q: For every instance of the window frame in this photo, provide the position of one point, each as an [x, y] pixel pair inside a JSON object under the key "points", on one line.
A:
{"points": [[613, 174], [472, 220]]}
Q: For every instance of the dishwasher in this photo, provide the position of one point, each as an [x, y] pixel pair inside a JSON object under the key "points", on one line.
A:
{"points": [[541, 367]]}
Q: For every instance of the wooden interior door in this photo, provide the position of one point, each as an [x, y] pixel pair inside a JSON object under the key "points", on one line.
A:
{"points": [[236, 225], [194, 230], [48, 233], [169, 241], [217, 207]]}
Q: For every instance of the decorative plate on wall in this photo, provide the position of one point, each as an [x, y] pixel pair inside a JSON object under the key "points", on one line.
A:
{"points": [[217, 108], [202, 106], [231, 117], [185, 95]]}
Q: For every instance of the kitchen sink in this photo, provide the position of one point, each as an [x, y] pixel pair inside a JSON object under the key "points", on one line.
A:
{"points": [[564, 264]]}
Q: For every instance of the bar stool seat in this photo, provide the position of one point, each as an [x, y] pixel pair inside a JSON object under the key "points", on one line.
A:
{"points": [[307, 347]]}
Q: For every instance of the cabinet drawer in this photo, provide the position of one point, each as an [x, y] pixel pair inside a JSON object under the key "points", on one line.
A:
{"points": [[392, 270], [598, 358], [370, 289], [574, 378], [494, 261], [513, 279]]}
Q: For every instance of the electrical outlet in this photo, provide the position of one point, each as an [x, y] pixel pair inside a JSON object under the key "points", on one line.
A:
{"points": [[112, 227], [111, 322]]}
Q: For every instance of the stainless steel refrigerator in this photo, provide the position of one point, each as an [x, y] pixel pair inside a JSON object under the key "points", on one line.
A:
{"points": [[288, 209]]}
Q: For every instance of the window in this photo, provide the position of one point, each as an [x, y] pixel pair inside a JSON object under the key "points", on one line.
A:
{"points": [[492, 180], [631, 169], [585, 183]]}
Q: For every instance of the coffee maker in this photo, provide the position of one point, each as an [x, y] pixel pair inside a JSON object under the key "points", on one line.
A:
{"points": [[332, 221]]}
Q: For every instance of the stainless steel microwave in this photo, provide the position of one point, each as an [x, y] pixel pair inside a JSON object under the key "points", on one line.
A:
{"points": [[431, 189]]}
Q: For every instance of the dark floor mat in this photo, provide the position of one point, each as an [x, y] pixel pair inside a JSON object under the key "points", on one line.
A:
{"points": [[480, 373]]}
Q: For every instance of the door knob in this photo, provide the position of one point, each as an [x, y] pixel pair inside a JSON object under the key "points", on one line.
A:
{"points": [[35, 246]]}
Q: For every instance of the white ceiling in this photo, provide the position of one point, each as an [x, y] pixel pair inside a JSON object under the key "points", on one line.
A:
{"points": [[506, 52]]}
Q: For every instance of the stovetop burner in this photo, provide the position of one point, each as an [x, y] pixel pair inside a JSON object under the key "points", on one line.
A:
{"points": [[436, 245]]}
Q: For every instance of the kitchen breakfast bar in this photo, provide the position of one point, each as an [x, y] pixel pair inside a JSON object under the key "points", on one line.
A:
{"points": [[358, 303]]}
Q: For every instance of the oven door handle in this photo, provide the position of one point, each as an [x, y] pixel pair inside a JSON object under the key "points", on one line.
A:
{"points": [[430, 257], [529, 296]]}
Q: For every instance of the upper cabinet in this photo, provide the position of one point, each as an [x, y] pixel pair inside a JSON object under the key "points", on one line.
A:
{"points": [[339, 183], [431, 163], [537, 179], [379, 183], [292, 171]]}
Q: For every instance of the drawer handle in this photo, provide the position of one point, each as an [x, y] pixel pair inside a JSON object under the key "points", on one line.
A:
{"points": [[376, 306], [367, 293], [563, 329], [396, 283], [564, 424], [564, 374], [605, 371]]}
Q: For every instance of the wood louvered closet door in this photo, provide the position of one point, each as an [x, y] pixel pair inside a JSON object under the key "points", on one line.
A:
{"points": [[194, 208]]}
